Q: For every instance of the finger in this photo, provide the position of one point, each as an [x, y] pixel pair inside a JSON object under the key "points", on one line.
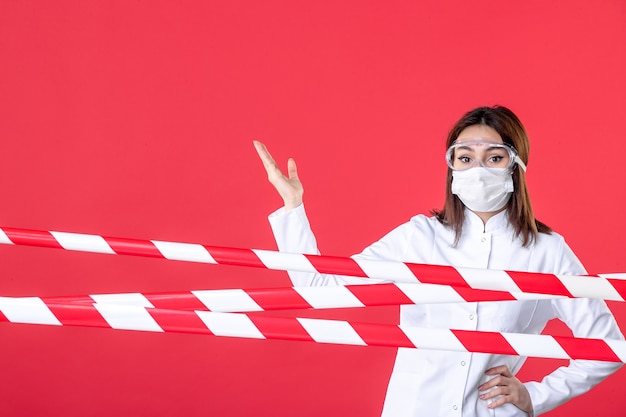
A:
{"points": [[264, 154], [500, 401], [292, 170], [268, 162], [498, 380], [260, 147], [497, 391], [502, 370]]}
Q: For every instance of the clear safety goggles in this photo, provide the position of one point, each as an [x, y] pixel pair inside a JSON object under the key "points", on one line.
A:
{"points": [[480, 153]]}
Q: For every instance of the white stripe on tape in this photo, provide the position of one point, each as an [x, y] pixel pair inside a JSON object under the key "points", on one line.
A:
{"points": [[229, 324], [83, 242], [331, 331], [125, 299], [30, 310], [329, 297], [284, 261], [227, 300], [535, 296], [535, 345], [430, 293], [590, 287], [387, 271], [184, 251], [128, 317], [614, 276], [4, 238], [442, 339]]}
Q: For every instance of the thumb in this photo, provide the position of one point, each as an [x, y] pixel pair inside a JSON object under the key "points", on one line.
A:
{"points": [[292, 170]]}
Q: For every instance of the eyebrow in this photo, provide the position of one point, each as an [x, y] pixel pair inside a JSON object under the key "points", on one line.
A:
{"points": [[469, 148], [465, 148]]}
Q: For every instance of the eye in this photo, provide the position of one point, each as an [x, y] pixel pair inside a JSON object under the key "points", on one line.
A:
{"points": [[464, 159], [494, 159]]}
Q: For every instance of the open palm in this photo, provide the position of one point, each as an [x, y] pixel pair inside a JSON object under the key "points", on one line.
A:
{"points": [[289, 187]]}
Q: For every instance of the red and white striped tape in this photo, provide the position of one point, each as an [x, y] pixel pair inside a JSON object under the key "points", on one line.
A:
{"points": [[607, 287], [140, 318], [292, 298]]}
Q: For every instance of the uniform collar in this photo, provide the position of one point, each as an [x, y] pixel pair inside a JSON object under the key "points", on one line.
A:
{"points": [[497, 223]]}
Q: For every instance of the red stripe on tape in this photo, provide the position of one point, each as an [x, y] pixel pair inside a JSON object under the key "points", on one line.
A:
{"points": [[619, 285], [438, 274], [31, 237], [335, 265], [278, 299], [472, 295], [177, 301], [379, 294], [123, 246], [3, 317], [488, 342], [78, 299], [592, 349], [179, 321], [77, 314], [538, 283], [286, 328], [234, 256], [382, 335]]}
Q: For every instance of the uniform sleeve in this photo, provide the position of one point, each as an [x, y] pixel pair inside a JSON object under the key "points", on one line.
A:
{"points": [[589, 318], [293, 234]]}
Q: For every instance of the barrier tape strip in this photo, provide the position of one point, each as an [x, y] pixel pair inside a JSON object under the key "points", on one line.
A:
{"points": [[607, 288], [293, 298], [132, 317]]}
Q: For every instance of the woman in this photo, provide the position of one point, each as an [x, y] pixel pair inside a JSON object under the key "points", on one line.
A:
{"points": [[487, 222]]}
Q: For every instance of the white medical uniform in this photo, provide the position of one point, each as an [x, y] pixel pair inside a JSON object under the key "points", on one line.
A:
{"points": [[429, 383]]}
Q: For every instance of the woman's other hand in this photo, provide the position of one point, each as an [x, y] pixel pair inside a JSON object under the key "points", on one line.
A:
{"points": [[508, 388]]}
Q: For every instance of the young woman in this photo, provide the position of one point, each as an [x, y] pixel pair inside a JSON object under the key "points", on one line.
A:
{"points": [[487, 222]]}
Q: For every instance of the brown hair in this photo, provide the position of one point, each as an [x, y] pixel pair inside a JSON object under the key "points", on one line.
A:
{"points": [[519, 210]]}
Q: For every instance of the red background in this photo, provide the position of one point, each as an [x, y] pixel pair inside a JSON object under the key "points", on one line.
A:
{"points": [[135, 119]]}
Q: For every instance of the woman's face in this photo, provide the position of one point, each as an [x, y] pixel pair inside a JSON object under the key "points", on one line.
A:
{"points": [[473, 148]]}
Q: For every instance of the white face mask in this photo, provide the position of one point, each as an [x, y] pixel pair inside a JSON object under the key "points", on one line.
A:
{"points": [[483, 190]]}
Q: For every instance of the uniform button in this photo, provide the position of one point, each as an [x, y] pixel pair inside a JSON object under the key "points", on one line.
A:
{"points": [[454, 407], [471, 317], [462, 363], [483, 239]]}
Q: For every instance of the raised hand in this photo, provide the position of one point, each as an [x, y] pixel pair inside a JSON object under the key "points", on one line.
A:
{"points": [[290, 188], [508, 387]]}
